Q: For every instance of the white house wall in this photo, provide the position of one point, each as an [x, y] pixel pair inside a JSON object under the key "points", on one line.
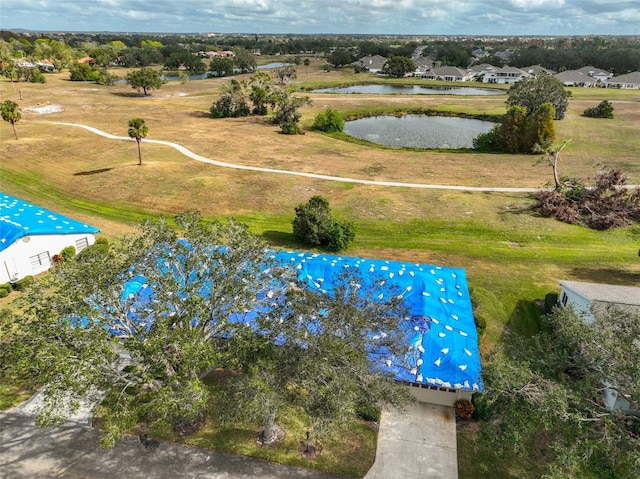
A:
{"points": [[581, 304], [16, 260]]}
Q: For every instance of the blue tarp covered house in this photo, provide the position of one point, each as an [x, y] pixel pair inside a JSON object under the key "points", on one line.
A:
{"points": [[444, 361], [30, 236]]}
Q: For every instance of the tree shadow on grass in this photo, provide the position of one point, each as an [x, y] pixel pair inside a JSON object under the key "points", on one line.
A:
{"points": [[92, 172], [132, 94], [280, 238], [526, 319], [200, 114], [606, 275]]}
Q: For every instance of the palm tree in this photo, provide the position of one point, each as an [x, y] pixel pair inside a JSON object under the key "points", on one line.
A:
{"points": [[138, 130], [11, 113]]}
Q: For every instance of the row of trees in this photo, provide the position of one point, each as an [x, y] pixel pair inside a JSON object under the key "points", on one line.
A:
{"points": [[173, 304]]}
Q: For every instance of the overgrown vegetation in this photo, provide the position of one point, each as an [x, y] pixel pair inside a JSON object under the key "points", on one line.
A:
{"points": [[546, 393]]}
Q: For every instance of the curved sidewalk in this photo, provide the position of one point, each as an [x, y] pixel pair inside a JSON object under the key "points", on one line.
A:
{"points": [[223, 164]]}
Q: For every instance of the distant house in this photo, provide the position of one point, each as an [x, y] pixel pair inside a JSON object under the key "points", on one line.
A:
{"points": [[589, 298], [575, 78], [505, 75], [373, 64], [597, 73], [629, 81], [447, 74], [536, 70], [30, 236]]}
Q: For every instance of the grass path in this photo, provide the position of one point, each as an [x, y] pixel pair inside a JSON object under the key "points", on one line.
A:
{"points": [[195, 156]]}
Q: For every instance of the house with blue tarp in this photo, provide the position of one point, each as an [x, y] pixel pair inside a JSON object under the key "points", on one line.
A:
{"points": [[442, 360], [30, 236], [442, 363]]}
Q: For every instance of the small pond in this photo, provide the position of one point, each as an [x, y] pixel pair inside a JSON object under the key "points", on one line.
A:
{"points": [[418, 131], [411, 90]]}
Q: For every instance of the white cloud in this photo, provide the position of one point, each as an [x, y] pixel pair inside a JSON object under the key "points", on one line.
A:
{"points": [[510, 17]]}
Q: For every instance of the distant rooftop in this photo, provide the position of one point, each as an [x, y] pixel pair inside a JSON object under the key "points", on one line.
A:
{"points": [[19, 218]]}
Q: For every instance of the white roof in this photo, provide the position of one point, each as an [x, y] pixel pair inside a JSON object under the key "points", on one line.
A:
{"points": [[605, 293]]}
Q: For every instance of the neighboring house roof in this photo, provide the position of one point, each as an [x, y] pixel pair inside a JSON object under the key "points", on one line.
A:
{"points": [[633, 77], [374, 62], [575, 77], [605, 293], [482, 68], [19, 218], [535, 69], [420, 61], [593, 71], [449, 71]]}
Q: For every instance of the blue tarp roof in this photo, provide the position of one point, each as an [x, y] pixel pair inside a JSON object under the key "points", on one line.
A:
{"points": [[20, 218], [442, 332], [442, 343]]}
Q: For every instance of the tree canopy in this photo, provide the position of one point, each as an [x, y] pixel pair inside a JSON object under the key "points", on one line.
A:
{"points": [[145, 79], [165, 299], [145, 320], [533, 92], [138, 130], [10, 112], [398, 66], [546, 393]]}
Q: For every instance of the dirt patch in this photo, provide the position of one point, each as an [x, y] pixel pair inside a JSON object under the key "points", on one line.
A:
{"points": [[309, 451]]}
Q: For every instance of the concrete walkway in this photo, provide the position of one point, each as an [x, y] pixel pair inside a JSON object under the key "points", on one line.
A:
{"points": [[419, 443]]}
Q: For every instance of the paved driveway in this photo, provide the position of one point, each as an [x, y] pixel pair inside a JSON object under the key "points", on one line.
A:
{"points": [[72, 452], [419, 443]]}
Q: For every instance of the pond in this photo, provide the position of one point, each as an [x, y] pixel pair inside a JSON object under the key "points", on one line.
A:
{"points": [[411, 90], [418, 131]]}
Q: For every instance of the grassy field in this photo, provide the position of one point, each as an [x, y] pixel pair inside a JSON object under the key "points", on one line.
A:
{"points": [[512, 255]]}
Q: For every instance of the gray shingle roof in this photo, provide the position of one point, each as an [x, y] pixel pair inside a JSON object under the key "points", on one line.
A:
{"points": [[605, 293]]}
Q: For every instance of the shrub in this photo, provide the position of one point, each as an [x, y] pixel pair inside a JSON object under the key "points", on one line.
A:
{"points": [[368, 412], [57, 258], [38, 77], [603, 110], [102, 240], [4, 293], [68, 253], [550, 302], [481, 324], [314, 226], [91, 252], [339, 236], [464, 408], [7, 287], [485, 142], [329, 121], [22, 284]]}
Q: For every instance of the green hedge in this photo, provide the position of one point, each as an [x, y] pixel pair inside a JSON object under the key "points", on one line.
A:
{"points": [[22, 284]]}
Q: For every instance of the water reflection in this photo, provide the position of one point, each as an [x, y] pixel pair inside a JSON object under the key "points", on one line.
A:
{"points": [[418, 131], [411, 90]]}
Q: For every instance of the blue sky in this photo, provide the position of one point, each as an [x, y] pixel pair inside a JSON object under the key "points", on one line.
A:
{"points": [[420, 17]]}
